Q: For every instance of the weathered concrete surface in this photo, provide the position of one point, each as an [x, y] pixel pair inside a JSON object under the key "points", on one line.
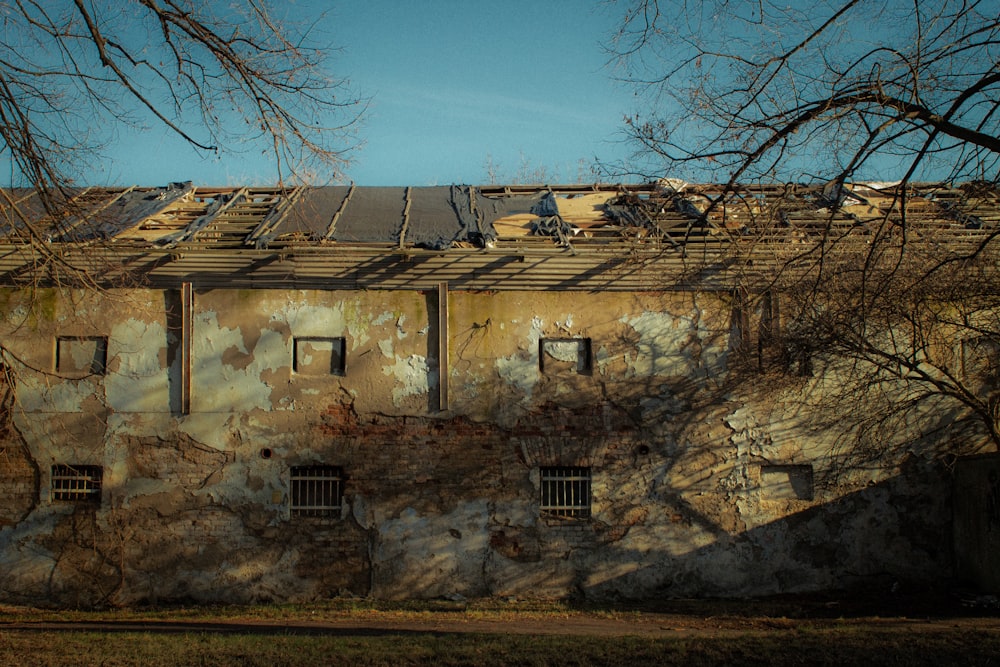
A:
{"points": [[702, 484]]}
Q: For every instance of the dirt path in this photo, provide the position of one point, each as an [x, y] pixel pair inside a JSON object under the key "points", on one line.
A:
{"points": [[639, 624]]}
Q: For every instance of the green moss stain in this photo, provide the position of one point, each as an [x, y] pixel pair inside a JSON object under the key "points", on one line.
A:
{"points": [[30, 309]]}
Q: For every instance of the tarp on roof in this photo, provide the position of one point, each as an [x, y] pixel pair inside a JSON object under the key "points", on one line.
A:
{"points": [[312, 213], [437, 217], [520, 208], [373, 215]]}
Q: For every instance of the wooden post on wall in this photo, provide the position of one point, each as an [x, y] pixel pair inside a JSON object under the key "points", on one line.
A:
{"points": [[442, 346], [187, 330]]}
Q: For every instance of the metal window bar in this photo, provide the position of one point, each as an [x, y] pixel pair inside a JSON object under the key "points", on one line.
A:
{"points": [[566, 492], [76, 483], [316, 490]]}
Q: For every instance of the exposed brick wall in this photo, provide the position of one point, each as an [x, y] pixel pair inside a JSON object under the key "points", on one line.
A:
{"points": [[18, 482]]}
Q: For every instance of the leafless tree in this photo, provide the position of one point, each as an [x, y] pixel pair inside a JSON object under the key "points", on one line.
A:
{"points": [[904, 299], [215, 74], [902, 328], [827, 90]]}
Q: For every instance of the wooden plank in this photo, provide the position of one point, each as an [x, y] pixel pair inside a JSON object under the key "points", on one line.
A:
{"points": [[442, 293], [187, 338]]}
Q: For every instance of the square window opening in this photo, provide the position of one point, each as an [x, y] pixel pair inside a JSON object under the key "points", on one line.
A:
{"points": [[564, 355], [786, 482], [77, 483], [316, 491], [980, 358], [82, 355], [565, 492], [320, 356]]}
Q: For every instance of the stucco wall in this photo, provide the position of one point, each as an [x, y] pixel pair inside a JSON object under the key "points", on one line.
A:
{"points": [[701, 485]]}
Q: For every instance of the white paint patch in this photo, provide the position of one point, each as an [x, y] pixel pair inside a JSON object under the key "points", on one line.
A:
{"points": [[412, 376], [671, 345], [45, 394], [563, 350], [304, 319], [521, 369], [138, 384], [17, 315], [383, 318], [218, 386]]}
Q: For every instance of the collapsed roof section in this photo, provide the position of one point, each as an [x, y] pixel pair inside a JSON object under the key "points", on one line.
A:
{"points": [[438, 218], [491, 237]]}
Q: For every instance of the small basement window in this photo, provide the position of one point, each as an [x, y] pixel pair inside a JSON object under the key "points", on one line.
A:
{"points": [[317, 490], [565, 492], [786, 482], [82, 355], [76, 483], [320, 356], [564, 355]]}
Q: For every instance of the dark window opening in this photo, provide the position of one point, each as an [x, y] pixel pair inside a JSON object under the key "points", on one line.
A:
{"points": [[564, 355], [320, 356], [82, 355], [786, 482]]}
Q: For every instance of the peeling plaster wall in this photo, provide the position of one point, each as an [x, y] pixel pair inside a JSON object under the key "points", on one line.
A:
{"points": [[697, 488]]}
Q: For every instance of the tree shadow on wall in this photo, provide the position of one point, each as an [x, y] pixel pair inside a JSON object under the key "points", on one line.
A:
{"points": [[887, 538]]}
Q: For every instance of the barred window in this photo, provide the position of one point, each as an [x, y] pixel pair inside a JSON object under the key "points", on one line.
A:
{"points": [[316, 490], [565, 492], [74, 483]]}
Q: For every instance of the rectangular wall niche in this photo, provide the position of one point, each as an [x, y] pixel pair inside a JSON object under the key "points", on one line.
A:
{"points": [[320, 356], [565, 492], [981, 360], [786, 482], [564, 355], [81, 355], [76, 483], [316, 490]]}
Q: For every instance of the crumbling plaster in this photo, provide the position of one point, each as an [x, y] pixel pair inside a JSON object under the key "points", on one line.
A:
{"points": [[437, 502]]}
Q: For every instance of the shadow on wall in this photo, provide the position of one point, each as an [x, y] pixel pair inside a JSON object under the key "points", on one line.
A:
{"points": [[977, 521], [200, 554], [886, 535], [895, 533]]}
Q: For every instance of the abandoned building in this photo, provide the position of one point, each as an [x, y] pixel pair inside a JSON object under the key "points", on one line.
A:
{"points": [[250, 394]]}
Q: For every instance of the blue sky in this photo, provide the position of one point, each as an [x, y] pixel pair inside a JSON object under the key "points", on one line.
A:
{"points": [[452, 84]]}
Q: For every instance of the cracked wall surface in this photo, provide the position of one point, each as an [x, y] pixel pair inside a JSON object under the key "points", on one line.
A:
{"points": [[700, 485]]}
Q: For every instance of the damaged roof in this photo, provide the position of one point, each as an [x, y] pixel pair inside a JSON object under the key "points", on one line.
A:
{"points": [[578, 236]]}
